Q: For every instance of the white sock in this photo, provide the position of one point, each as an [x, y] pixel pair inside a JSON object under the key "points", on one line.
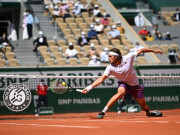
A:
{"points": [[105, 109]]}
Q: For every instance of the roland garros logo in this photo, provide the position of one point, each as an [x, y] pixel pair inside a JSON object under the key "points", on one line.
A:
{"points": [[17, 97]]}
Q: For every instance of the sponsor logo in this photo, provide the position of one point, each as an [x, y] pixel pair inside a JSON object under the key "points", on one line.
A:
{"points": [[17, 97], [132, 108], [46, 111]]}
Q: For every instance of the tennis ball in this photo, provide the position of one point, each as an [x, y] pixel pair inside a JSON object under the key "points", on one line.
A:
{"points": [[63, 84]]}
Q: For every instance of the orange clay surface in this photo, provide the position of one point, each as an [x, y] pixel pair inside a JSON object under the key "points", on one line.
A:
{"points": [[122, 125]]}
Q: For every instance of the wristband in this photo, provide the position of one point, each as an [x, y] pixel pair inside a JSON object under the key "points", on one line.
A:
{"points": [[88, 88]]}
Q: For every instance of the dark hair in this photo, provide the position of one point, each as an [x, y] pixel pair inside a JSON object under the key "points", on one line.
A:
{"points": [[42, 80], [137, 43], [116, 51], [28, 10], [177, 9], [155, 25], [71, 47]]}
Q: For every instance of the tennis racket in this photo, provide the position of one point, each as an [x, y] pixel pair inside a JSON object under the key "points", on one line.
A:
{"points": [[61, 87]]}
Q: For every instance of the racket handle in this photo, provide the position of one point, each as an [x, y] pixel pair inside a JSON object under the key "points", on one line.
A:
{"points": [[78, 90]]}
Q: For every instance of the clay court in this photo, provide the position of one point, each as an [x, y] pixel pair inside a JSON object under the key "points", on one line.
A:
{"points": [[126, 125]]}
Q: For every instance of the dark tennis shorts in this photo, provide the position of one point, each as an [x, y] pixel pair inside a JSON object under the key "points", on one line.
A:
{"points": [[135, 91]]}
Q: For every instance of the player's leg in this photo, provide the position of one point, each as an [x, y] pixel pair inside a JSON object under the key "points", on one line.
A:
{"points": [[144, 106], [139, 96], [112, 101], [118, 95], [137, 93]]}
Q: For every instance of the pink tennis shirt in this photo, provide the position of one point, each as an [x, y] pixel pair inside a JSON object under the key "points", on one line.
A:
{"points": [[125, 71]]}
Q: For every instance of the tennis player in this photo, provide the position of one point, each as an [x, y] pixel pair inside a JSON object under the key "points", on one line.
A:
{"points": [[122, 68]]}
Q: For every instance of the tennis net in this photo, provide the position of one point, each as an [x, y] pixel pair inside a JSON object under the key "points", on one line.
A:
{"points": [[19, 99]]}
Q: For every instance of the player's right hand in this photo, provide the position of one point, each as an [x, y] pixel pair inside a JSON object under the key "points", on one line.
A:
{"points": [[84, 91], [158, 51]]}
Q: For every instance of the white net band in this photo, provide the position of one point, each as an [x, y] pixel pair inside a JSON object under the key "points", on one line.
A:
{"points": [[77, 77]]}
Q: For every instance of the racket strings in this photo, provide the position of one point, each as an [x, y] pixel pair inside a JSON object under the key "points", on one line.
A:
{"points": [[58, 87]]}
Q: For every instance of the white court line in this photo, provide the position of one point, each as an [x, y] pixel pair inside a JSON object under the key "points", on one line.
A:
{"points": [[16, 124], [113, 121], [135, 121], [45, 119], [161, 121], [126, 121], [65, 126], [53, 119], [178, 122]]}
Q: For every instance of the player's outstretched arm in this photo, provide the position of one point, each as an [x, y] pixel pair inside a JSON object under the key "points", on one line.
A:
{"points": [[94, 84], [145, 50]]}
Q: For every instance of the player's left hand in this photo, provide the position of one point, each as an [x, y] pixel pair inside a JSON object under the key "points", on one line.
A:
{"points": [[84, 91], [158, 51]]}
